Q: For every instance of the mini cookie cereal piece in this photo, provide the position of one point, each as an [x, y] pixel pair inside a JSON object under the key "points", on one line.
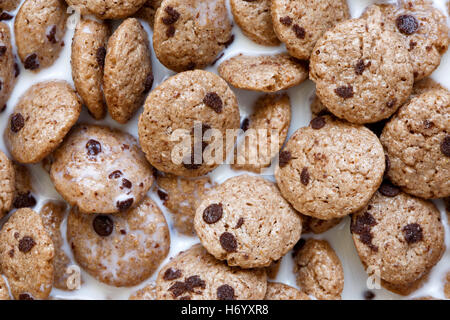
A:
{"points": [[196, 275], [7, 178], [23, 197], [39, 28], [318, 226], [264, 73], [417, 142], [128, 70], [26, 255], [41, 119], [255, 20], [121, 249], [146, 293], [281, 291], [189, 34], [330, 168], [255, 152], [107, 9], [87, 61], [4, 291], [247, 222], [101, 170], [425, 85], [362, 70], [178, 116], [7, 69], [52, 214], [424, 30], [319, 271], [300, 23], [400, 236], [182, 196], [9, 5], [273, 268], [148, 11]]}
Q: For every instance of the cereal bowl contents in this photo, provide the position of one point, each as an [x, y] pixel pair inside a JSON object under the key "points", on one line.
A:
{"points": [[224, 150]]}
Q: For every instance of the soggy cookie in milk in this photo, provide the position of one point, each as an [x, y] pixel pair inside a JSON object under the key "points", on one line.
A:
{"points": [[196, 275], [189, 34], [40, 120], [121, 249], [101, 170], [39, 28]]}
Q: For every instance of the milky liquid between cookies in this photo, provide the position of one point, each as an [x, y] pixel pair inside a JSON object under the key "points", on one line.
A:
{"points": [[339, 237]]}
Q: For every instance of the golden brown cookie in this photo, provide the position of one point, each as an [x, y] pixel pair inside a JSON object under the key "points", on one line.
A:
{"points": [[281, 291], [148, 11], [9, 5], [7, 184], [107, 9], [7, 65], [146, 293]]}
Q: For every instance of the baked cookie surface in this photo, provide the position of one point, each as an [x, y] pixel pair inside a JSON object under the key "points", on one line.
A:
{"points": [[107, 9], [7, 65], [7, 184], [281, 291]]}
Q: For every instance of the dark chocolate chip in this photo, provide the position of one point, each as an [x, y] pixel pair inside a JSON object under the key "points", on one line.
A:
{"points": [[225, 292], [170, 31], [5, 16], [304, 176], [125, 204], [26, 244], [318, 123], [126, 183], [299, 31], [388, 189], [391, 103], [185, 298], [100, 56], [25, 296], [178, 288], [362, 226], [24, 200], [103, 225], [284, 158], [148, 82], [239, 223], [122, 231], [172, 274], [360, 67], [3, 50], [194, 282], [213, 101], [245, 124], [17, 122], [407, 24], [31, 62], [93, 147], [228, 242], [445, 146], [162, 195], [51, 34], [369, 295], [213, 213], [115, 174], [11, 253], [345, 92], [412, 233], [172, 15], [287, 21], [427, 124]]}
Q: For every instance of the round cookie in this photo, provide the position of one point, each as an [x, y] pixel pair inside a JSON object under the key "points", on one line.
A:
{"points": [[87, 61], [176, 121], [40, 120], [247, 222], [26, 255], [330, 168], [281, 291], [255, 20], [4, 291], [7, 66], [128, 72], [7, 182], [196, 275], [362, 70], [318, 270], [148, 11], [101, 170], [39, 29], [107, 9], [424, 30], [23, 197], [146, 293], [189, 34], [121, 249], [399, 236], [417, 142], [300, 23], [264, 73], [9, 5]]}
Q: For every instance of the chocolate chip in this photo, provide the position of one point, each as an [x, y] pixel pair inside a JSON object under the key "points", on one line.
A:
{"points": [[299, 31], [178, 288], [25, 296], [412, 45], [11, 253], [304, 176], [24, 200], [172, 274], [194, 282], [170, 31], [122, 231], [148, 82], [125, 204], [388, 189], [284, 158], [126, 183], [103, 225], [17, 122], [239, 223], [391, 103], [412, 233], [245, 124], [287, 21], [16, 70], [2, 50], [189, 162], [172, 16], [162, 195], [317, 123], [115, 174], [100, 56], [445, 146], [427, 124], [228, 242], [26, 244], [362, 226], [31, 62], [5, 16], [345, 92], [213, 101], [93, 147], [51, 34], [407, 24], [360, 67], [225, 292], [213, 213], [185, 298], [369, 295]]}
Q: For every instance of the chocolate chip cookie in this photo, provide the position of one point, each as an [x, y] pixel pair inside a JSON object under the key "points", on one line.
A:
{"points": [[7, 189], [107, 9], [7, 65], [281, 291]]}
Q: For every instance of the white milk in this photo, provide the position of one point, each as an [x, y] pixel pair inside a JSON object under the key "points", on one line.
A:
{"points": [[339, 237]]}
